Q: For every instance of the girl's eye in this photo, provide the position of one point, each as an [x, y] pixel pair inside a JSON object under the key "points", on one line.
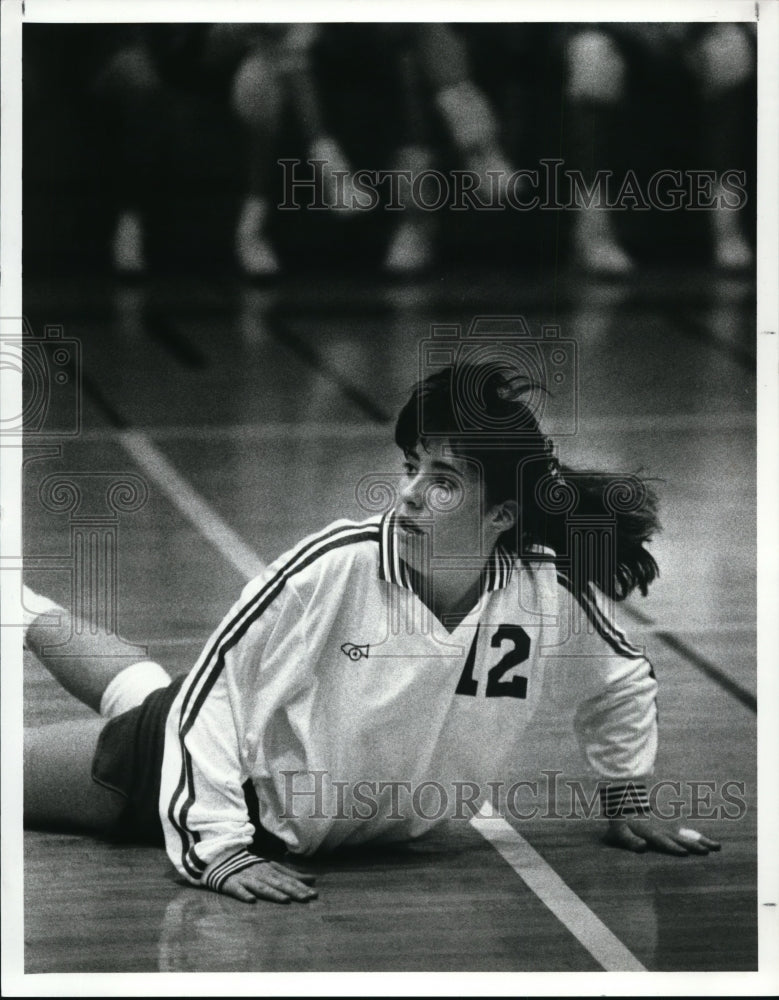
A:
{"points": [[447, 482]]}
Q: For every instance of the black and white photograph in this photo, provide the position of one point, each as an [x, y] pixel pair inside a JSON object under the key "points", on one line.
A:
{"points": [[388, 452]]}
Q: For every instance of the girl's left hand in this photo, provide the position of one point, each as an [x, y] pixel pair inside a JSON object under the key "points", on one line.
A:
{"points": [[643, 833]]}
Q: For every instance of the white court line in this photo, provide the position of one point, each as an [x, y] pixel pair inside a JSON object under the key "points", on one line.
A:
{"points": [[540, 877], [544, 881], [658, 422], [189, 503]]}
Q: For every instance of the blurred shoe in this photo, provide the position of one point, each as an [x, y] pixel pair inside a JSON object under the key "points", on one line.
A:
{"points": [[127, 244], [468, 115], [596, 247], [733, 253], [253, 250], [603, 258], [732, 250], [411, 247]]}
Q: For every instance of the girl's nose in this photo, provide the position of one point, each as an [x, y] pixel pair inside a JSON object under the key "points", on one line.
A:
{"points": [[413, 492]]}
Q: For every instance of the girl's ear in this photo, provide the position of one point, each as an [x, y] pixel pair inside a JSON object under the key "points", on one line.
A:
{"points": [[504, 515]]}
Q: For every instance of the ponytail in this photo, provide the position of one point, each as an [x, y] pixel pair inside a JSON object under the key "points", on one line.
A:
{"points": [[624, 508]]}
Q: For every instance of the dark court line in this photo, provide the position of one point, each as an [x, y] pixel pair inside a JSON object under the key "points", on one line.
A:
{"points": [[693, 657], [638, 615], [281, 332], [708, 668], [161, 329], [94, 393], [695, 329]]}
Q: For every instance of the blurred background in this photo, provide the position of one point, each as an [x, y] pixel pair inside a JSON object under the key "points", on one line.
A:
{"points": [[156, 147]]}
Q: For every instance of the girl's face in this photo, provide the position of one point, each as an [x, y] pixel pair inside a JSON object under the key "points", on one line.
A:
{"points": [[443, 519]]}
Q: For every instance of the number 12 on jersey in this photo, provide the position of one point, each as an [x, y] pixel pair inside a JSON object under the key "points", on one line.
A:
{"points": [[516, 687]]}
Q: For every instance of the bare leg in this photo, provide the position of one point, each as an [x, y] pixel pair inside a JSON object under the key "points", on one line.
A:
{"points": [[58, 788], [723, 63], [410, 248], [595, 86], [59, 791], [465, 109], [128, 89], [91, 663], [257, 98]]}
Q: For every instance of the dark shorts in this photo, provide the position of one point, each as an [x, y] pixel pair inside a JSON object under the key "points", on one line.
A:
{"points": [[128, 760]]}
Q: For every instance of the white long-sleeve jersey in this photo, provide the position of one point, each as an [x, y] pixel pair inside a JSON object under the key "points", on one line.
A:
{"points": [[355, 715]]}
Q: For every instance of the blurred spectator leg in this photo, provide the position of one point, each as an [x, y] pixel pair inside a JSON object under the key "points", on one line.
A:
{"points": [[469, 118], [410, 248], [128, 89], [723, 61], [595, 85], [257, 98], [275, 79], [334, 171]]}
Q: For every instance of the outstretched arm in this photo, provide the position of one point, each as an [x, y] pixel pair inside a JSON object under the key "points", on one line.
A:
{"points": [[212, 739], [616, 725], [617, 729]]}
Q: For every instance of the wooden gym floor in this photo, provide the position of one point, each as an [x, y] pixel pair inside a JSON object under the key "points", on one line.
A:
{"points": [[251, 413]]}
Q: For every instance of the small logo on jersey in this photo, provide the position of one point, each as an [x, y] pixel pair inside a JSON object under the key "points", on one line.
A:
{"points": [[355, 652]]}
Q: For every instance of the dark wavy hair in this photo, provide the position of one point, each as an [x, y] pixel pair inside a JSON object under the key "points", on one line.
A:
{"points": [[483, 412]]}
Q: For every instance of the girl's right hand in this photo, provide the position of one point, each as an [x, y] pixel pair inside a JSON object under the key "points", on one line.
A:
{"points": [[271, 881]]}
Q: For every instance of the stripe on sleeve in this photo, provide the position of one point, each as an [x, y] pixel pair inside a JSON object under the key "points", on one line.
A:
{"points": [[218, 875], [605, 628], [630, 799], [207, 672], [607, 623]]}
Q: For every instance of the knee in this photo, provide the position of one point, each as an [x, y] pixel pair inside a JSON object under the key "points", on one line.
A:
{"points": [[130, 73], [256, 91], [722, 59], [595, 68], [443, 55]]}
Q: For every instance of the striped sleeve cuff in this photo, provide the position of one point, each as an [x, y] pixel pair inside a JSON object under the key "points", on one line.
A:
{"points": [[217, 875], [630, 799]]}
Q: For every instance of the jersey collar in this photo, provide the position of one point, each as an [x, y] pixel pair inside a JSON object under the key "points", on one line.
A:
{"points": [[497, 572]]}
